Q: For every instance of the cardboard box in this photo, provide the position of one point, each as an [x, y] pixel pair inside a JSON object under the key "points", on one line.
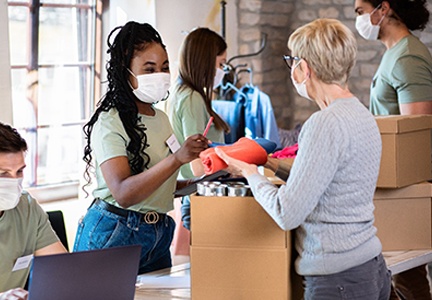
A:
{"points": [[234, 222], [240, 273], [406, 150], [403, 217], [238, 251]]}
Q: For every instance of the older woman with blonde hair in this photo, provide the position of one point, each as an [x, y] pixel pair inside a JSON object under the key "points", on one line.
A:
{"points": [[328, 196]]}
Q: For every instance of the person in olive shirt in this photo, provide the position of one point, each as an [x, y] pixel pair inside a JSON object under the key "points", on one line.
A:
{"points": [[402, 85], [24, 227]]}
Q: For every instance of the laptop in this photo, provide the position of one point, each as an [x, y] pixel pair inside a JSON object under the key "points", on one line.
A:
{"points": [[88, 275]]}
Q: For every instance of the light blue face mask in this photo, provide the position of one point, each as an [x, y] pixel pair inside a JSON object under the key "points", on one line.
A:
{"points": [[300, 87], [10, 192], [218, 77], [365, 27], [153, 87]]}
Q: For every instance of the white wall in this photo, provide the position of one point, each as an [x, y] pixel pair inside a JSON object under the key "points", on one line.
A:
{"points": [[5, 76], [172, 19]]}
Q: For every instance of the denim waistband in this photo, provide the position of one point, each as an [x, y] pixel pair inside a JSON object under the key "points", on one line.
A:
{"points": [[150, 217]]}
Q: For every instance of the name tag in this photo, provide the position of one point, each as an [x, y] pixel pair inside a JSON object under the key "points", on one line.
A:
{"points": [[173, 143], [22, 262]]}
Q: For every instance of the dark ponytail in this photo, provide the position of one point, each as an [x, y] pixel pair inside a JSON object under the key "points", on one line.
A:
{"points": [[413, 13]]}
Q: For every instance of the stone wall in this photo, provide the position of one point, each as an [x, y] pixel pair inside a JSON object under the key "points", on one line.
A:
{"points": [[278, 19]]}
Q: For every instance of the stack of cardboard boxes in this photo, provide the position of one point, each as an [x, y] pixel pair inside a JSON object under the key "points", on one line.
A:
{"points": [[403, 208], [238, 251]]}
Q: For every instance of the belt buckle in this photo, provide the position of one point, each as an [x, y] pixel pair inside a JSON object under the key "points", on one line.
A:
{"points": [[151, 217]]}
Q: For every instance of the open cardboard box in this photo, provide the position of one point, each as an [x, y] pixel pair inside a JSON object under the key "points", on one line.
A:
{"points": [[406, 151], [239, 252]]}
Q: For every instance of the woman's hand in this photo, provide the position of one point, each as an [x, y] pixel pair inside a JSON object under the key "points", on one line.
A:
{"points": [[191, 148], [235, 166], [14, 294]]}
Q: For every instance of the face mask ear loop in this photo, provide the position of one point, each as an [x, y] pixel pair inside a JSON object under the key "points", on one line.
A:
{"points": [[168, 93], [382, 19], [307, 75], [376, 8], [130, 84]]}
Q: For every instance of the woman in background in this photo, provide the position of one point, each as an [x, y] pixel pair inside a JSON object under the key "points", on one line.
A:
{"points": [[402, 85], [127, 142], [189, 106], [325, 198]]}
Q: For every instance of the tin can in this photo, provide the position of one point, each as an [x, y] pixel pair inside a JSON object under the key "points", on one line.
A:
{"points": [[237, 189], [221, 190]]}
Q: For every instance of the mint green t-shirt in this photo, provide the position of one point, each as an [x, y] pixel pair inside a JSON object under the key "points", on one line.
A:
{"points": [[109, 139], [404, 76], [188, 116], [23, 230]]}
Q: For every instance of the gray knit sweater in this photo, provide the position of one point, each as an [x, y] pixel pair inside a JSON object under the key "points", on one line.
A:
{"points": [[329, 194]]}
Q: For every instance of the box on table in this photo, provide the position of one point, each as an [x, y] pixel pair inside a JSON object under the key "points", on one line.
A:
{"points": [[406, 150], [403, 217], [238, 251]]}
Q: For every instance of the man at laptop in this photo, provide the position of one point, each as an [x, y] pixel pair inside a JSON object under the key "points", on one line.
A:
{"points": [[24, 227]]}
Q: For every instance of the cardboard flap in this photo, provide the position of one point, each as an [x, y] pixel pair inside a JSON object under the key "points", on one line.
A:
{"points": [[401, 124], [420, 190]]}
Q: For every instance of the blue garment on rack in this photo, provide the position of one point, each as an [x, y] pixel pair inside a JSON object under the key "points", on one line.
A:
{"points": [[232, 112], [260, 121]]}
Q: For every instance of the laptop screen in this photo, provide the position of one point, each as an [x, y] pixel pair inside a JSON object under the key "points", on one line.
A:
{"points": [[96, 274]]}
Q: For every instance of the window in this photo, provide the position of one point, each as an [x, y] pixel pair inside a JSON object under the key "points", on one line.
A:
{"points": [[53, 70]]}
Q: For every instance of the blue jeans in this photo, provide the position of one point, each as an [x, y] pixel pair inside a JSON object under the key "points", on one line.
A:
{"points": [[103, 229], [369, 281]]}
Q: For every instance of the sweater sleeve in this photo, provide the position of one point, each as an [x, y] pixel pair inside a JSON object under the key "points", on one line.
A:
{"points": [[321, 144]]}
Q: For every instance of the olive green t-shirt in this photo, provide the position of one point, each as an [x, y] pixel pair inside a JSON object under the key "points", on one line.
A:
{"points": [[23, 230], [404, 76], [188, 116], [109, 139]]}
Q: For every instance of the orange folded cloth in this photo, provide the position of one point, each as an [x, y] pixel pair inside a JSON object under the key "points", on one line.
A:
{"points": [[244, 149]]}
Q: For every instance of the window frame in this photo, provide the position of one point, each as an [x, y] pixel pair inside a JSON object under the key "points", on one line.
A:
{"points": [[92, 81]]}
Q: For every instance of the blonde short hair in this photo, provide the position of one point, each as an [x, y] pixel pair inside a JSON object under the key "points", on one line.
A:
{"points": [[329, 48]]}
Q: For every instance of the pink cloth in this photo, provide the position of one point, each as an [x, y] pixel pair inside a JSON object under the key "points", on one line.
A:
{"points": [[288, 152]]}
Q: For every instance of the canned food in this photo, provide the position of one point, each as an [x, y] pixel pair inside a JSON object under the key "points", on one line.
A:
{"points": [[201, 187], [221, 190], [210, 189], [237, 189]]}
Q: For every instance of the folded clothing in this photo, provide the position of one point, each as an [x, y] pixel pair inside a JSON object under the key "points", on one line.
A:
{"points": [[269, 146], [244, 149], [287, 152]]}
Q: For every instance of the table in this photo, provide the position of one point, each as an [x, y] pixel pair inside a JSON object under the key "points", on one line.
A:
{"points": [[397, 262], [143, 292], [400, 261]]}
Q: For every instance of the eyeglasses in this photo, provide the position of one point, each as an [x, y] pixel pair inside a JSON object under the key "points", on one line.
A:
{"points": [[291, 60]]}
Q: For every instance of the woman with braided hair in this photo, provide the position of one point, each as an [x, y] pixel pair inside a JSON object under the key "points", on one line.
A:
{"points": [[402, 85], [131, 146]]}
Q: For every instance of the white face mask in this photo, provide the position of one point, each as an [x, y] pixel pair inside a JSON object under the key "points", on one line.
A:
{"points": [[218, 77], [365, 27], [300, 87], [152, 87], [10, 192]]}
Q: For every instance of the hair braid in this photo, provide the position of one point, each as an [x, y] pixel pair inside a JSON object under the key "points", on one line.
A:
{"points": [[132, 36]]}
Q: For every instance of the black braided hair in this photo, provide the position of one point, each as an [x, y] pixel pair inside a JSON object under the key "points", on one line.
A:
{"points": [[131, 37]]}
